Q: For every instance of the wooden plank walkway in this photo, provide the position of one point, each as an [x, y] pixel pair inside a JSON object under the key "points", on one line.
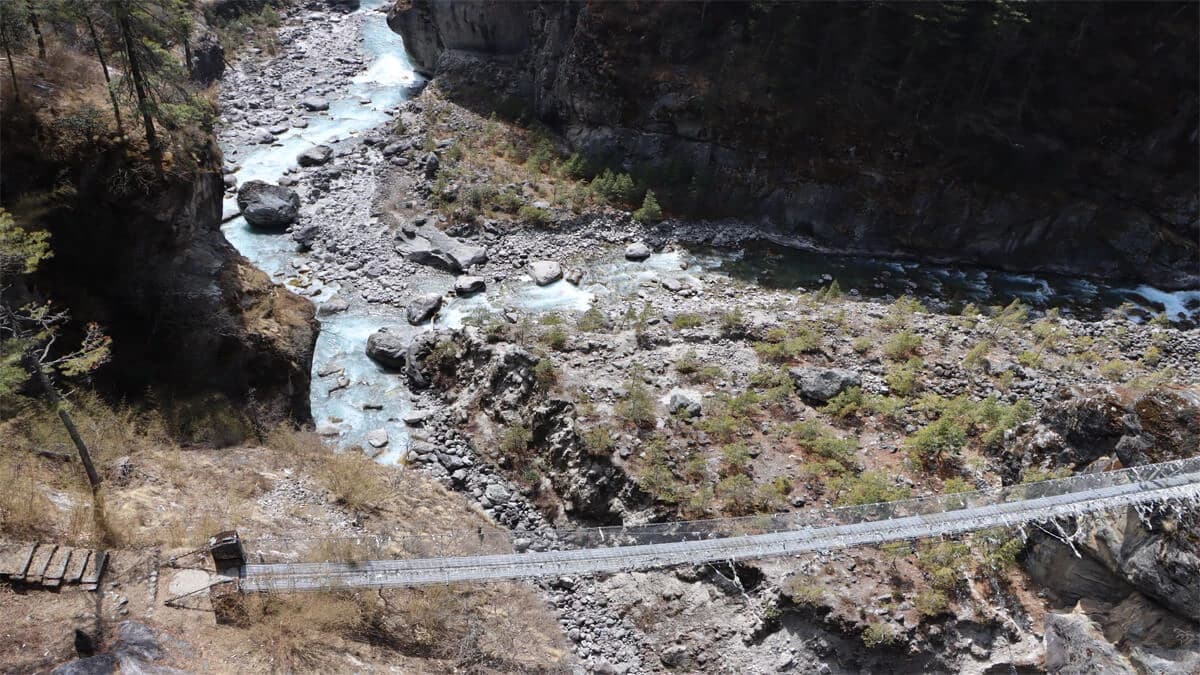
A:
{"points": [[50, 566]]}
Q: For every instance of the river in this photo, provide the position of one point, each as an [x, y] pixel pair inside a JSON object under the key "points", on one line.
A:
{"points": [[376, 399]]}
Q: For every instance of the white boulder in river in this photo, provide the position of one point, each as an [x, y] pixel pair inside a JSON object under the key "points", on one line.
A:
{"points": [[545, 272], [637, 251]]}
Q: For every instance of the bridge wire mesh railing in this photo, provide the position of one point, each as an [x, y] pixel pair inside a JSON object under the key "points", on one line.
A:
{"points": [[492, 541]]}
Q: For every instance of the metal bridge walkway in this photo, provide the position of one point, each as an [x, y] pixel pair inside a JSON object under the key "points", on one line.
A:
{"points": [[1177, 482]]}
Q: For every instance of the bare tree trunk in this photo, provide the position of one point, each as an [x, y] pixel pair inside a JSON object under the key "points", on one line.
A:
{"points": [[55, 399], [37, 29], [12, 72], [135, 71], [112, 94]]}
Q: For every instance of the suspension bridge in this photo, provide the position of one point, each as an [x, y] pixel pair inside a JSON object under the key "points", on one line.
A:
{"points": [[621, 549]]}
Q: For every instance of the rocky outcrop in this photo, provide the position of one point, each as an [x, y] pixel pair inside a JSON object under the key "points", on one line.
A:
{"points": [[499, 379], [1054, 137], [207, 62], [1137, 572], [143, 256], [427, 245], [1075, 646]]}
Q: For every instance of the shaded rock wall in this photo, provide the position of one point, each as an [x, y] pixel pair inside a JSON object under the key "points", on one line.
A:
{"points": [[1056, 137], [144, 257]]}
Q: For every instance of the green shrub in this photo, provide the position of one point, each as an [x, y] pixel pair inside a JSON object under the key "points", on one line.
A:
{"points": [[737, 495], [688, 363], [656, 477], [1152, 356], [944, 563], [845, 404], [930, 446], [931, 602], [869, 487], [889, 407], [974, 358], [516, 439], [735, 459], [786, 344], [534, 216], [997, 548], [598, 441], [902, 379], [863, 344], [1030, 359], [831, 292], [878, 634], [733, 322], [956, 485], [1115, 370], [592, 321], [900, 313], [555, 338], [637, 408], [708, 374], [902, 345], [686, 320], [804, 592], [545, 373]]}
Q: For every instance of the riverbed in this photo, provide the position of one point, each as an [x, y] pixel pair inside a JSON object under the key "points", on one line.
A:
{"points": [[352, 396]]}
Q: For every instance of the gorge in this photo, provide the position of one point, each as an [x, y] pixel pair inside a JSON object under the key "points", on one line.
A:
{"points": [[831, 312]]}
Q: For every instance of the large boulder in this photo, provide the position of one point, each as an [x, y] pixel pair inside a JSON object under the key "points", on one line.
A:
{"points": [[545, 272], [432, 164], [822, 384], [387, 349], [430, 246], [422, 308], [315, 156], [468, 285], [269, 206], [684, 401], [637, 251], [314, 104], [1075, 646], [343, 5]]}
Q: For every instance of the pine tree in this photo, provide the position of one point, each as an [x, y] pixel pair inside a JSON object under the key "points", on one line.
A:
{"points": [[14, 35], [650, 212]]}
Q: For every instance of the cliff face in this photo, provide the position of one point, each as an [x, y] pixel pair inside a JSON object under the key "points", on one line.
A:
{"points": [[144, 257], [1059, 136]]}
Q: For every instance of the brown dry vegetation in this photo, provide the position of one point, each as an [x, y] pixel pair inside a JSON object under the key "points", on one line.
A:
{"points": [[290, 497]]}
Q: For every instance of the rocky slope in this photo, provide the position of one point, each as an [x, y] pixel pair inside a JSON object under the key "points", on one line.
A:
{"points": [[1035, 139]]}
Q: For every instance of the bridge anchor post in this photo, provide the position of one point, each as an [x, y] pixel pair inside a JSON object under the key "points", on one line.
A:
{"points": [[226, 597]]}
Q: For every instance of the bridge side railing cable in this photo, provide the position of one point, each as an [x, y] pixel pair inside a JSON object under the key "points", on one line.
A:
{"points": [[1180, 489], [481, 541]]}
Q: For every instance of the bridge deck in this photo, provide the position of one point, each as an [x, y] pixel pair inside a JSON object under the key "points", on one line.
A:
{"points": [[1171, 481]]}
